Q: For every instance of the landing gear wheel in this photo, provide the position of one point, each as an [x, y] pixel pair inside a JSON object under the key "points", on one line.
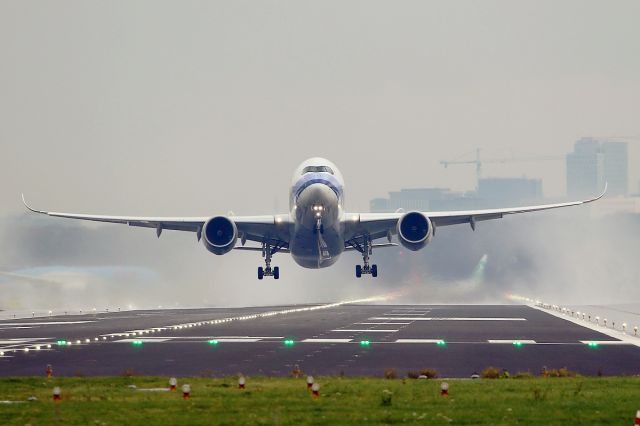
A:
{"points": [[374, 271], [260, 272], [358, 271], [276, 272]]}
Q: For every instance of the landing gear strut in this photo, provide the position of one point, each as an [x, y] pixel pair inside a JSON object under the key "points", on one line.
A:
{"points": [[366, 249], [267, 271]]}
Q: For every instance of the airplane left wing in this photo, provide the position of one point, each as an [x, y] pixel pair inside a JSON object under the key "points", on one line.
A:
{"points": [[270, 229], [379, 225]]}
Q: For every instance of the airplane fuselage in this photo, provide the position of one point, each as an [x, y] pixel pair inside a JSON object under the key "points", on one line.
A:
{"points": [[316, 209]]}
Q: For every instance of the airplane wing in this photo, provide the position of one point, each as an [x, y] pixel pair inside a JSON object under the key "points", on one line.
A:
{"points": [[253, 228], [379, 225]]}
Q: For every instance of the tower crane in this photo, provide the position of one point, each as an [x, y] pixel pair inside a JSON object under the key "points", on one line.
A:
{"points": [[478, 161]]}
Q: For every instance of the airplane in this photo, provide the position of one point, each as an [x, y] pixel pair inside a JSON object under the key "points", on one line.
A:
{"points": [[317, 229]]}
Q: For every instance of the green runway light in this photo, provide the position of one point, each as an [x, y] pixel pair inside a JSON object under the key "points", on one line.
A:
{"points": [[137, 343], [288, 342], [441, 343], [517, 343], [213, 342], [365, 343], [592, 344], [61, 342]]}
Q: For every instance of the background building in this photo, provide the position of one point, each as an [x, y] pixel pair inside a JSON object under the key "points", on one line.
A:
{"points": [[594, 162]]}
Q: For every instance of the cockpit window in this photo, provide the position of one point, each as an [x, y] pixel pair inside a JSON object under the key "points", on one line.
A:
{"points": [[317, 169]]}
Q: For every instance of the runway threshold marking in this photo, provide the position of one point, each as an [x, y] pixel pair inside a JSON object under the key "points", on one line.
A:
{"points": [[448, 319], [326, 340]]}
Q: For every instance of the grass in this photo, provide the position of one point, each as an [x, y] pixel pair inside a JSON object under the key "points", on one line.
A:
{"points": [[286, 401]]}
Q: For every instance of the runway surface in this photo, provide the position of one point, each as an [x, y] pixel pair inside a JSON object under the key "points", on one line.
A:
{"points": [[322, 339]]}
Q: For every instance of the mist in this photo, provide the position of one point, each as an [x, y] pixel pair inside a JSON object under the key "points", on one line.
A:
{"points": [[566, 257]]}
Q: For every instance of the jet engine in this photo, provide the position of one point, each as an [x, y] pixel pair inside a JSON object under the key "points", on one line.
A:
{"points": [[415, 230], [219, 235]]}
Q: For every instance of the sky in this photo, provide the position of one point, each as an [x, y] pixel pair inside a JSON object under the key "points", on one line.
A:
{"points": [[197, 108]]}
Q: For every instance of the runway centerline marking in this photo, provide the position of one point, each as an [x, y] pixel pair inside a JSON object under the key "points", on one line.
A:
{"points": [[449, 319], [383, 323], [366, 331], [326, 340], [510, 342], [418, 341]]}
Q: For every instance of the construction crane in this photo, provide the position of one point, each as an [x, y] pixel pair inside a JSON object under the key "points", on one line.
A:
{"points": [[479, 161]]}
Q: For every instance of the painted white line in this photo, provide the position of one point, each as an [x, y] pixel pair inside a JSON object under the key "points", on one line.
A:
{"points": [[2, 324], [604, 330], [405, 314], [223, 340], [326, 340], [606, 342], [383, 323], [511, 342], [449, 319], [20, 340], [367, 331], [418, 340], [143, 339]]}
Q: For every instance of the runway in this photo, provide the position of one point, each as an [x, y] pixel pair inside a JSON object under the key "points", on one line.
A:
{"points": [[456, 340]]}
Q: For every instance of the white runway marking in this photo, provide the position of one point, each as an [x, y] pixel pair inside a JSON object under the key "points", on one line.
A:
{"points": [[418, 340], [511, 342], [20, 340], [366, 331], [383, 323], [449, 319], [405, 314], [42, 323], [143, 339], [606, 342], [326, 340]]}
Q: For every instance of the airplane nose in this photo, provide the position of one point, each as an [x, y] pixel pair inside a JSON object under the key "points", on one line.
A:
{"points": [[317, 194]]}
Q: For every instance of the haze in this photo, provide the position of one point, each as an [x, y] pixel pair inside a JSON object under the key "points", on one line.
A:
{"points": [[198, 108]]}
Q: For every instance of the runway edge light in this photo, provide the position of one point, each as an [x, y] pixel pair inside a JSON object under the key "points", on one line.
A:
{"points": [[173, 382]]}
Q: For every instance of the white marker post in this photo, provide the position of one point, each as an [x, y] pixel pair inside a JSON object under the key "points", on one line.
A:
{"points": [[309, 382], [173, 382], [186, 391], [315, 390], [444, 389]]}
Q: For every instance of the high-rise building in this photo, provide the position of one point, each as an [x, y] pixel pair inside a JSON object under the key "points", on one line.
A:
{"points": [[594, 162]]}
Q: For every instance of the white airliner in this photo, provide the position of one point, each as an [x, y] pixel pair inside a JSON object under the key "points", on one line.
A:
{"points": [[317, 229]]}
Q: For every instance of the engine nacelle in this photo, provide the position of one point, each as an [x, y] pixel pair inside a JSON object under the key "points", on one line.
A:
{"points": [[415, 230], [219, 235]]}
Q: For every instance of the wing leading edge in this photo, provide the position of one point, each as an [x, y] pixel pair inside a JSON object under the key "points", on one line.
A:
{"points": [[378, 225], [254, 228]]}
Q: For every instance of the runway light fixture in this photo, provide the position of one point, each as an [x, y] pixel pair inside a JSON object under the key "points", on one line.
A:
{"points": [[213, 342], [288, 342], [137, 343], [592, 344], [365, 343], [517, 343], [61, 342], [441, 343]]}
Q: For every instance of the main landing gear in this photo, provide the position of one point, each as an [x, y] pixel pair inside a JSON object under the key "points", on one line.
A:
{"points": [[366, 249], [268, 271]]}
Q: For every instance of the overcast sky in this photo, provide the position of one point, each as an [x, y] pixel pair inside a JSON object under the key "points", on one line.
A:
{"points": [[201, 107]]}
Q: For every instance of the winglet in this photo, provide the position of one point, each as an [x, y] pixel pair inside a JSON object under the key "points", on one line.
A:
{"points": [[29, 207], [604, 191]]}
